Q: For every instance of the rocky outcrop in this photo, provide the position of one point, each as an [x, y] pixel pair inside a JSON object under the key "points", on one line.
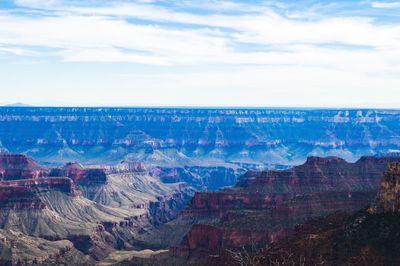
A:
{"points": [[388, 199], [18, 166], [217, 203], [128, 167], [98, 210], [200, 177], [266, 206], [256, 228], [168, 207], [264, 189], [367, 237], [319, 174], [20, 249], [204, 240], [336, 239], [25, 194], [81, 175]]}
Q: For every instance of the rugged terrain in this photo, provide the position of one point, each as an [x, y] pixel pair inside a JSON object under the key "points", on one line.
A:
{"points": [[369, 237], [110, 180], [206, 148], [179, 137], [266, 206], [95, 210], [199, 177], [19, 249]]}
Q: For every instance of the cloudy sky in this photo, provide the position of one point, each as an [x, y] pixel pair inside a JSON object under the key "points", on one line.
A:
{"points": [[200, 53]]}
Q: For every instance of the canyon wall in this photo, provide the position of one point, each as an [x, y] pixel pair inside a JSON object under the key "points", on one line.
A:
{"points": [[368, 237], [97, 209], [18, 166], [388, 199], [171, 137], [267, 205]]}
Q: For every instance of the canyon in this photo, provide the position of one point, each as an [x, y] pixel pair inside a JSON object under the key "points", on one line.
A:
{"points": [[93, 210], [266, 206], [179, 137], [183, 185], [368, 237]]}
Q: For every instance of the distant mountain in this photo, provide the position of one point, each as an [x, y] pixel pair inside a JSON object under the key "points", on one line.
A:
{"points": [[18, 104], [179, 137]]}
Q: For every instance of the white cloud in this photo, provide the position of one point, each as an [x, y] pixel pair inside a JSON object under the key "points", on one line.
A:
{"points": [[99, 34], [264, 27], [385, 5], [37, 3], [197, 45], [17, 51], [261, 57]]}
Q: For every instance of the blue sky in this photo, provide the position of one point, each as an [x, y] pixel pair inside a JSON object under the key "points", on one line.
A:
{"points": [[200, 53]]}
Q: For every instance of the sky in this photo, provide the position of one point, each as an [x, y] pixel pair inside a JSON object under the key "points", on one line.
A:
{"points": [[200, 53]]}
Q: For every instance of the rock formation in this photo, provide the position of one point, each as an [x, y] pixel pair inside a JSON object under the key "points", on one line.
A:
{"points": [[25, 194], [97, 209], [266, 206], [81, 175], [20, 249], [368, 237], [181, 137], [18, 166], [200, 177], [388, 199]]}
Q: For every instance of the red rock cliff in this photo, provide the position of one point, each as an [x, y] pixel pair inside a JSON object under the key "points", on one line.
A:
{"points": [[388, 199], [26, 194], [319, 174], [18, 166], [81, 175], [265, 206]]}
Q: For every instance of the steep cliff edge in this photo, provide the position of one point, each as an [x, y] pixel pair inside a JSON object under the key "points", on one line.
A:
{"points": [[265, 206], [264, 189], [202, 178], [98, 209], [369, 237], [318, 174], [81, 175], [172, 137], [388, 199], [26, 194], [18, 166], [17, 248]]}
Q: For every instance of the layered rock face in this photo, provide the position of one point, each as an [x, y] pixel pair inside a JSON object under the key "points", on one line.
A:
{"points": [[18, 166], [201, 178], [265, 206], [319, 174], [128, 167], [80, 175], [368, 237], [388, 199], [20, 249], [25, 194], [257, 190], [182, 136], [97, 209]]}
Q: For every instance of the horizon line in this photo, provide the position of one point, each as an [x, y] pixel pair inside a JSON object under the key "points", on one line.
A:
{"points": [[199, 107]]}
